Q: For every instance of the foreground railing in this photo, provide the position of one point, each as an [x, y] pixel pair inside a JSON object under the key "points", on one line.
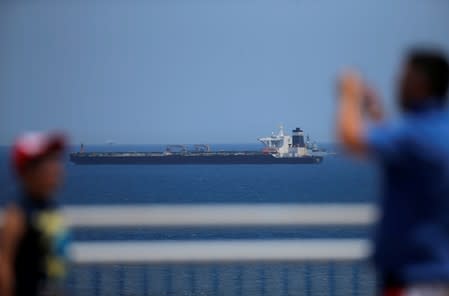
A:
{"points": [[240, 267], [221, 251], [221, 267], [309, 278], [220, 215], [224, 215]]}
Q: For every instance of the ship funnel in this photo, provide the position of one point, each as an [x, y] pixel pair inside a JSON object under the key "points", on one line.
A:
{"points": [[298, 138]]}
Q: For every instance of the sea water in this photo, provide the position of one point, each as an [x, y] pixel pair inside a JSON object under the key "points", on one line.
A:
{"points": [[337, 180]]}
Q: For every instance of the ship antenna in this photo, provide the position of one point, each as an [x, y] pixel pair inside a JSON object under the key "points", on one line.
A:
{"points": [[281, 130]]}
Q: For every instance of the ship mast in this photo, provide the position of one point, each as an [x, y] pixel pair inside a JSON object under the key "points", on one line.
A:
{"points": [[281, 130]]}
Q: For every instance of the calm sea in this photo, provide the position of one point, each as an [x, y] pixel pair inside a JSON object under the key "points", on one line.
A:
{"points": [[337, 180]]}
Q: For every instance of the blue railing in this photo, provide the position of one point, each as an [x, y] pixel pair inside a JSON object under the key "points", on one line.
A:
{"points": [[222, 267], [283, 279]]}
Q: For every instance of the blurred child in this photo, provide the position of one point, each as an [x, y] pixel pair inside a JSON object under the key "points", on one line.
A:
{"points": [[34, 240], [412, 241]]}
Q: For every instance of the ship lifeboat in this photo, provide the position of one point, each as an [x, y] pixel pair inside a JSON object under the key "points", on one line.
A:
{"points": [[268, 150]]}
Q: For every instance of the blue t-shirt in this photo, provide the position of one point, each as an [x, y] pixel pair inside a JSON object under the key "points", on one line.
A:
{"points": [[412, 239]]}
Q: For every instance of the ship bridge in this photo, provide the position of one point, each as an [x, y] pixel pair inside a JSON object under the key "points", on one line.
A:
{"points": [[277, 142]]}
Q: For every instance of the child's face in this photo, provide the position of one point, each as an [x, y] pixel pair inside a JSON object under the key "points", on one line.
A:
{"points": [[45, 177]]}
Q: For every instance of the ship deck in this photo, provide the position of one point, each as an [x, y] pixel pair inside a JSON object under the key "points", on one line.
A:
{"points": [[159, 154]]}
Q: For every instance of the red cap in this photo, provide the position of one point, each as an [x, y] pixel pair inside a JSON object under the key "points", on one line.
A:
{"points": [[32, 146]]}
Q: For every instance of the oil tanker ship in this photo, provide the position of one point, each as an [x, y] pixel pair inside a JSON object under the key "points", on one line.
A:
{"points": [[278, 148]]}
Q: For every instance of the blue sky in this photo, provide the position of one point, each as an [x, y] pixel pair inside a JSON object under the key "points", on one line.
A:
{"points": [[187, 71]]}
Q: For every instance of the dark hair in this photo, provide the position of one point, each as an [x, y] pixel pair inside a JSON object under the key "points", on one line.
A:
{"points": [[434, 65]]}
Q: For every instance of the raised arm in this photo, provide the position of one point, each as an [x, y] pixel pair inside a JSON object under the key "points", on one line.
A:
{"points": [[13, 227], [350, 123], [372, 105]]}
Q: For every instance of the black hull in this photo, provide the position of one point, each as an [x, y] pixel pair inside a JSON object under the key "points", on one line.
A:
{"points": [[85, 159]]}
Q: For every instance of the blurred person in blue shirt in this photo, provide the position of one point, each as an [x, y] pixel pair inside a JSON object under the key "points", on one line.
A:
{"points": [[412, 239]]}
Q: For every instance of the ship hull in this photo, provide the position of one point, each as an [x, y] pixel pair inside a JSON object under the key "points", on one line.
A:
{"points": [[86, 159]]}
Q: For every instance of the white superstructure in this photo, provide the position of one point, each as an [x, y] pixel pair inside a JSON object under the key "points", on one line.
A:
{"points": [[283, 145]]}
